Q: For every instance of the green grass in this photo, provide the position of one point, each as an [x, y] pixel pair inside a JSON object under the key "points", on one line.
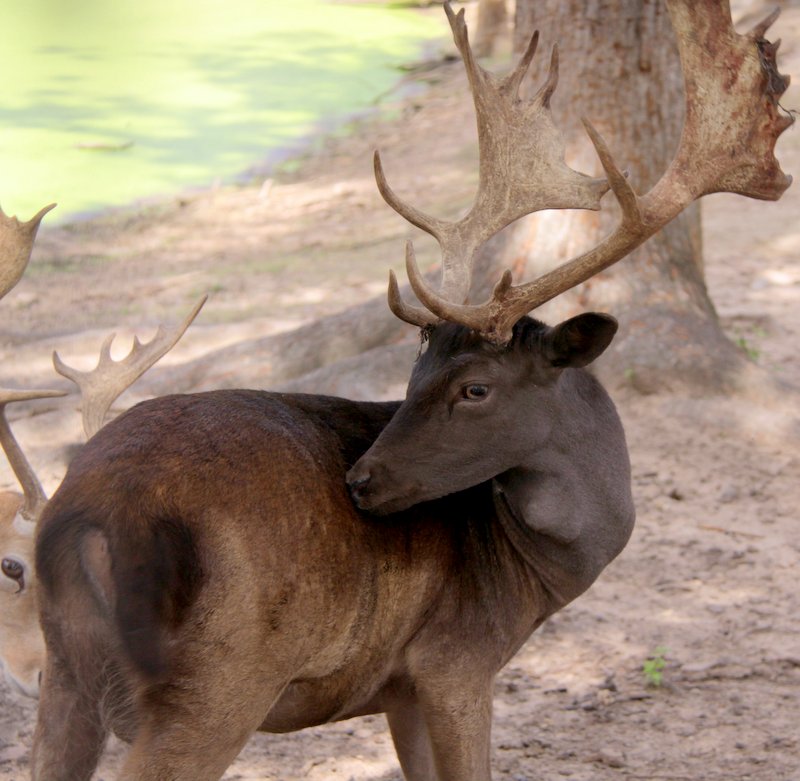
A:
{"points": [[107, 101], [653, 667]]}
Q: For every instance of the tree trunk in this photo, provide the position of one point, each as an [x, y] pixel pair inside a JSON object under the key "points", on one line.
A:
{"points": [[620, 69], [492, 16]]}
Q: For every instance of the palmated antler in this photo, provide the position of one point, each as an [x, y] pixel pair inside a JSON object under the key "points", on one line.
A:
{"points": [[16, 244], [732, 122], [101, 386], [522, 170]]}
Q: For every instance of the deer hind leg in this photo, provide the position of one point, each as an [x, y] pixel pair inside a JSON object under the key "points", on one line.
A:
{"points": [[192, 728], [70, 730], [181, 752]]}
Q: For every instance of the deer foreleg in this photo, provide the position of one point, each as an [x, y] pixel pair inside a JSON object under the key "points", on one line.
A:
{"points": [[412, 741], [458, 716]]}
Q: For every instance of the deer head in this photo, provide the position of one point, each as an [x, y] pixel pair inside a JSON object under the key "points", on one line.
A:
{"points": [[486, 357], [21, 643]]}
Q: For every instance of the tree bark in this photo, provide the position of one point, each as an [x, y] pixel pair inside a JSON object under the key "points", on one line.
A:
{"points": [[620, 69], [492, 17]]}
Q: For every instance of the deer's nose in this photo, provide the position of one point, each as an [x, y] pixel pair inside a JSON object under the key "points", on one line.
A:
{"points": [[358, 486]]}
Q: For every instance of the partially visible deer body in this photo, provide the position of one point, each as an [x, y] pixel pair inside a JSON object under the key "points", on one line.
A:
{"points": [[22, 649], [21, 643], [206, 573]]}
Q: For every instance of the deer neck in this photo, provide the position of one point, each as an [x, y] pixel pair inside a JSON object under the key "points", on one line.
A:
{"points": [[568, 509]]}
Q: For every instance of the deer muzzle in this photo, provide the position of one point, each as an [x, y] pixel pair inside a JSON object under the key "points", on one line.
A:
{"points": [[359, 487], [375, 489]]}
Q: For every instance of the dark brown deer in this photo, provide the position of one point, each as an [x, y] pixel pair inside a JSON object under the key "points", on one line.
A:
{"points": [[204, 571]]}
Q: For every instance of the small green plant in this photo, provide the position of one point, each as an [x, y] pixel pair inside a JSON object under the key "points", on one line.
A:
{"points": [[653, 666], [753, 353]]}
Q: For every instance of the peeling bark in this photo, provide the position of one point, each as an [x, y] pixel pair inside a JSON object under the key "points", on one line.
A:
{"points": [[492, 18]]}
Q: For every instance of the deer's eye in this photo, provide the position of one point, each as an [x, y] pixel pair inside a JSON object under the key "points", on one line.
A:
{"points": [[14, 570], [475, 392]]}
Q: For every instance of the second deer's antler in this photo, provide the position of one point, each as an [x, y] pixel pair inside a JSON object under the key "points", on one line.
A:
{"points": [[35, 497], [732, 122], [16, 245], [101, 386]]}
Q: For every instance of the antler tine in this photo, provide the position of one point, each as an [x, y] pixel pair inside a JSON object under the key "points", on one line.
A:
{"points": [[16, 245], [727, 145], [546, 92], [514, 80], [476, 75], [35, 497], [760, 30], [522, 170], [101, 386], [413, 315], [423, 221]]}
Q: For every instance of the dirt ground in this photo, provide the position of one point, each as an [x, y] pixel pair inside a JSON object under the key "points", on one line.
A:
{"points": [[707, 586]]}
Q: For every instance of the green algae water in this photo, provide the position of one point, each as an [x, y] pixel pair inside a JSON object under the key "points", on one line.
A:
{"points": [[107, 101]]}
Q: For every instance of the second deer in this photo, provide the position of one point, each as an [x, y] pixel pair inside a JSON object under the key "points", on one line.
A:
{"points": [[21, 644]]}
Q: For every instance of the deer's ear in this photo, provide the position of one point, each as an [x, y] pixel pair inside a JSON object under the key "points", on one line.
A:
{"points": [[579, 340]]}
